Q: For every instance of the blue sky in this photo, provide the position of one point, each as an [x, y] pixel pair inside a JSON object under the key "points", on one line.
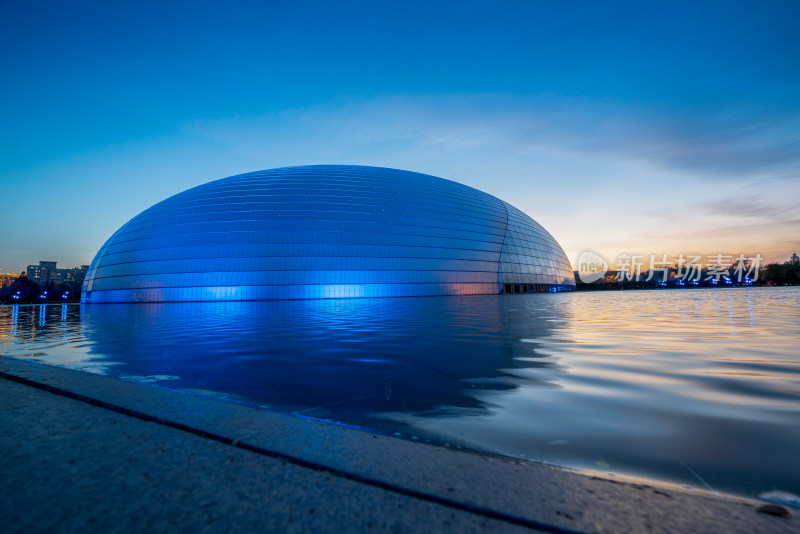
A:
{"points": [[639, 127]]}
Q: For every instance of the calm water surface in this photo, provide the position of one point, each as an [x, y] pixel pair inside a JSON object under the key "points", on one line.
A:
{"points": [[699, 387]]}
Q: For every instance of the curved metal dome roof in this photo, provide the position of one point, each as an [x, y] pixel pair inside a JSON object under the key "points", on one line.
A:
{"points": [[325, 231]]}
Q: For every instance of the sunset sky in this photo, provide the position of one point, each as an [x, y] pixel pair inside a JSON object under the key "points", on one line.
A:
{"points": [[619, 126]]}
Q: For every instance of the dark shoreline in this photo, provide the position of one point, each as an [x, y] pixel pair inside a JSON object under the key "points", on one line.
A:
{"points": [[153, 456]]}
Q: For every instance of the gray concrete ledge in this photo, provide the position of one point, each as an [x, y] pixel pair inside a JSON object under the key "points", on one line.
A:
{"points": [[83, 452]]}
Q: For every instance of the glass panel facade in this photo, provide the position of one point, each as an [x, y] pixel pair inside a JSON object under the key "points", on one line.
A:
{"points": [[532, 257], [324, 231]]}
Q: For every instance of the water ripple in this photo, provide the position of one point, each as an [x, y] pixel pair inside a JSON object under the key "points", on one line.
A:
{"points": [[683, 385]]}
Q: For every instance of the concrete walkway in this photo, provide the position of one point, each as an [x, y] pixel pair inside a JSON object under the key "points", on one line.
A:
{"points": [[84, 453]]}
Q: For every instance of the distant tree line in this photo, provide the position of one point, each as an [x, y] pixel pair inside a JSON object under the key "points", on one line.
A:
{"points": [[23, 290], [780, 274], [773, 274]]}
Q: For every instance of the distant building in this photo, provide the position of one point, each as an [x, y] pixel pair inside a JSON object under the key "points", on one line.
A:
{"points": [[614, 276], [610, 277], [43, 273], [795, 259], [6, 279], [47, 272]]}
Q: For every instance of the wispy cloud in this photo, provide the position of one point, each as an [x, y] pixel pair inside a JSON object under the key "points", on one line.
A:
{"points": [[753, 207], [733, 144]]}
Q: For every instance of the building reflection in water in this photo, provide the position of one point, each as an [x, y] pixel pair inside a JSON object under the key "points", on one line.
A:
{"points": [[361, 356]]}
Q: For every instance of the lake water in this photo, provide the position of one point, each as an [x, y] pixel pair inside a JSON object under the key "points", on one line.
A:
{"points": [[697, 386]]}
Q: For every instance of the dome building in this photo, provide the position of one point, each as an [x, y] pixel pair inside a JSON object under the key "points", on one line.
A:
{"points": [[326, 231]]}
